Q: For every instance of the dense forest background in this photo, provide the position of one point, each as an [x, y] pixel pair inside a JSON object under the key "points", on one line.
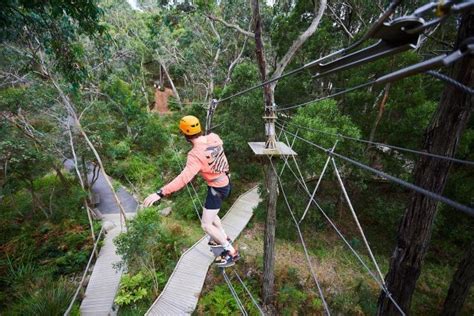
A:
{"points": [[81, 75]]}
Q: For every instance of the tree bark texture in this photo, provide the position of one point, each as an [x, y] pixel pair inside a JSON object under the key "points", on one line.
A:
{"points": [[271, 182], [441, 137], [462, 281], [269, 238]]}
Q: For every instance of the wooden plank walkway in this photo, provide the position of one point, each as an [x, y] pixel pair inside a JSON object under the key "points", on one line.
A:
{"points": [[105, 279], [181, 293]]}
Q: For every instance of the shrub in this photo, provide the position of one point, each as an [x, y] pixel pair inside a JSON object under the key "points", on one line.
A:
{"points": [[133, 288], [219, 301], [290, 299]]}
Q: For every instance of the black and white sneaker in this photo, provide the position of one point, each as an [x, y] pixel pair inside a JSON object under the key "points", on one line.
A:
{"points": [[227, 260], [214, 243]]}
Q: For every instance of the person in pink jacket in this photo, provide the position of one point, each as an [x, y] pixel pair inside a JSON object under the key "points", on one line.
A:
{"points": [[207, 158]]}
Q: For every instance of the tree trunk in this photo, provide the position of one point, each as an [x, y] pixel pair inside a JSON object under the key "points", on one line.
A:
{"points": [[269, 238], [441, 137], [271, 182], [460, 285]]}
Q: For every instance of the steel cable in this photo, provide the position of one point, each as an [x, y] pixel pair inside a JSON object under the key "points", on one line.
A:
{"points": [[451, 81], [413, 151], [254, 301], [303, 243], [234, 293], [356, 254], [411, 186]]}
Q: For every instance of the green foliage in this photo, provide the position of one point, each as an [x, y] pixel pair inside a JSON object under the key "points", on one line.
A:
{"points": [[140, 236], [56, 25], [37, 251], [147, 242], [220, 301], [241, 121], [135, 168], [325, 117], [43, 218], [52, 299], [120, 150], [291, 299], [11, 97], [132, 289], [316, 119]]}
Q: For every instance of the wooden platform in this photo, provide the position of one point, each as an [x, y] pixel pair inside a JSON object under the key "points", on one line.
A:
{"points": [[181, 293], [281, 149], [105, 279]]}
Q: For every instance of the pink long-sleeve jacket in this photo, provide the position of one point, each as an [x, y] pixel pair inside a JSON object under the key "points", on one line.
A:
{"points": [[207, 158]]}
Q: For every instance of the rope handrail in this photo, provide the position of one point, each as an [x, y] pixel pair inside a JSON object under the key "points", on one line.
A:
{"points": [[411, 186], [94, 249]]}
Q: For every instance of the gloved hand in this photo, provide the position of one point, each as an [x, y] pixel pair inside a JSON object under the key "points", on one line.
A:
{"points": [[152, 198]]}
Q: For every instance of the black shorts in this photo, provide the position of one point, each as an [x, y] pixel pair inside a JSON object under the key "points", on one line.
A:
{"points": [[215, 196]]}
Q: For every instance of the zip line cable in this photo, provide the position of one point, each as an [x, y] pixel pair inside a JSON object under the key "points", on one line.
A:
{"points": [[303, 243], [366, 36], [412, 70], [234, 293], [254, 301], [411, 186], [356, 254], [290, 107], [374, 31], [423, 153]]}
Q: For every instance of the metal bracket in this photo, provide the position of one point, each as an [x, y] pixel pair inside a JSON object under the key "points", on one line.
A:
{"points": [[393, 40], [438, 61]]}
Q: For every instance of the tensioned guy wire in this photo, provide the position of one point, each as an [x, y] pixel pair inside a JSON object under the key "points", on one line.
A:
{"points": [[303, 243], [234, 293], [254, 301], [313, 200]]}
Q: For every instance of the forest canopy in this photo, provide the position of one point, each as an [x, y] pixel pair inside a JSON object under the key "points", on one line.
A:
{"points": [[94, 88]]}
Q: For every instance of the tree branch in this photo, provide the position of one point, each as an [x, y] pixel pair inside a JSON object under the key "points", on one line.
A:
{"points": [[232, 26], [339, 21], [285, 60]]}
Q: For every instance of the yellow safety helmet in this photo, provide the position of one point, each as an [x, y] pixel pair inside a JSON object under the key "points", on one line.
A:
{"points": [[190, 125]]}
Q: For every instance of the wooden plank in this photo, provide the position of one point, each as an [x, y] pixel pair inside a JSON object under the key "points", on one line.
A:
{"points": [[181, 293]]}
